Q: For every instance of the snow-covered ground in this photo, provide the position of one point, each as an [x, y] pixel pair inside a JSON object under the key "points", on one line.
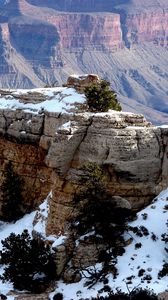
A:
{"points": [[149, 257], [58, 99]]}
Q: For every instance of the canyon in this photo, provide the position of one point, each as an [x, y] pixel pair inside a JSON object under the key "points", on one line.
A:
{"points": [[125, 42]]}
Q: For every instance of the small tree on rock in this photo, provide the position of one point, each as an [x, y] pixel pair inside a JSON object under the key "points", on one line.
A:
{"points": [[100, 98], [13, 202], [97, 210], [99, 213]]}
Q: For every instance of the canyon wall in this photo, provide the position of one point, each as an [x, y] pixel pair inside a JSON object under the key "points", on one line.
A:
{"points": [[125, 42], [25, 154], [47, 149], [99, 5], [148, 26], [101, 32]]}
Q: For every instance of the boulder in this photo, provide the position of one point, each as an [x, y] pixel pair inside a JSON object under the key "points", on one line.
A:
{"points": [[80, 82]]}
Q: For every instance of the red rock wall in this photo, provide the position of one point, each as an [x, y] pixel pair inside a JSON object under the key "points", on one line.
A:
{"points": [[148, 27], [103, 31], [86, 30]]}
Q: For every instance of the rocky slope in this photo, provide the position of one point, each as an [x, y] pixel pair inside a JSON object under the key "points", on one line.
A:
{"points": [[125, 42]]}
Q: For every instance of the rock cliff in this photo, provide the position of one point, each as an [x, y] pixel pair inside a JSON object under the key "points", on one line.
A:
{"points": [[47, 136], [147, 26]]}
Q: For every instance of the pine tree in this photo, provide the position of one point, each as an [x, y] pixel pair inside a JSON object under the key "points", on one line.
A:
{"points": [[29, 263], [97, 211], [100, 98], [12, 204]]}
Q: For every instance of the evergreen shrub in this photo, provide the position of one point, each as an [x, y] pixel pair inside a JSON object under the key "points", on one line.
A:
{"points": [[28, 262], [13, 202], [100, 98]]}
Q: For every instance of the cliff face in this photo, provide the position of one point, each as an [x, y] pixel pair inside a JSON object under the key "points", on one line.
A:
{"points": [[149, 26], [88, 31], [35, 40], [134, 158], [99, 5], [125, 42], [48, 147]]}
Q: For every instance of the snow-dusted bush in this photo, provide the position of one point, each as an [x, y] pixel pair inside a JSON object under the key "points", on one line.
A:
{"points": [[28, 262]]}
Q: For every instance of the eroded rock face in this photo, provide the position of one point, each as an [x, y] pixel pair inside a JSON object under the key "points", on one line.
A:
{"points": [[47, 148], [146, 27], [134, 157], [28, 162]]}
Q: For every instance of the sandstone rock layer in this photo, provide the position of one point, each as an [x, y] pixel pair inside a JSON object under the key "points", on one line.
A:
{"points": [[48, 148]]}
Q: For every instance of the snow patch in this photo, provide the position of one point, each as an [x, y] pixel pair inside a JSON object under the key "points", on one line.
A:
{"points": [[58, 100], [41, 217]]}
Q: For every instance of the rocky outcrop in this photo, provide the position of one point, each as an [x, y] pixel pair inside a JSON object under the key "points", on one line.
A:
{"points": [[134, 158], [81, 82], [48, 135], [47, 148]]}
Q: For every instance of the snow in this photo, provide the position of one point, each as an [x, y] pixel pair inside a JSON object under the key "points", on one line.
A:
{"points": [[25, 223], [5, 230], [163, 126], [66, 125], [81, 76], [119, 113], [57, 240], [135, 127], [59, 99], [149, 257], [41, 216]]}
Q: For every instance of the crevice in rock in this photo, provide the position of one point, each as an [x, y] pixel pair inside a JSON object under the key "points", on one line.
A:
{"points": [[6, 123], [124, 28], [163, 146], [160, 143], [138, 141], [42, 125], [82, 140]]}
